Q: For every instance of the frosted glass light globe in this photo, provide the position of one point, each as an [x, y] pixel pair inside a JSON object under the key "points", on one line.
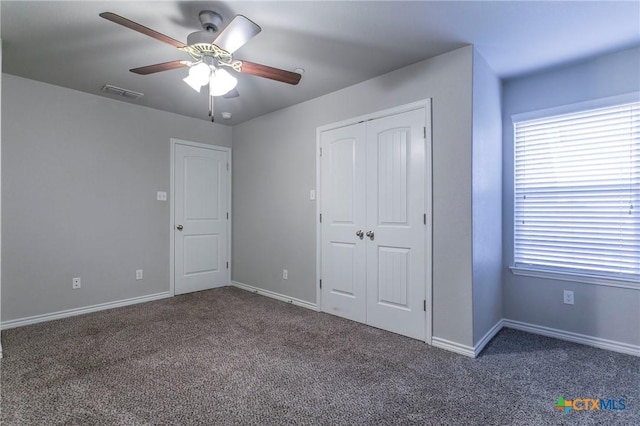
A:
{"points": [[221, 82]]}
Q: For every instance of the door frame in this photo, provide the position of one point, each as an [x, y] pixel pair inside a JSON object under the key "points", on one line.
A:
{"points": [[428, 146], [172, 255]]}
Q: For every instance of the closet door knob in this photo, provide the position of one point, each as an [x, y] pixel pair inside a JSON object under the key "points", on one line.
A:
{"points": [[179, 227], [360, 234], [370, 235]]}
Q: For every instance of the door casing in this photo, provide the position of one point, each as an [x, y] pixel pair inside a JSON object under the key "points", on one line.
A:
{"points": [[426, 105], [172, 224]]}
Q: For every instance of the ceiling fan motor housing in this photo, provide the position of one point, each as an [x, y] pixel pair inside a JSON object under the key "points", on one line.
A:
{"points": [[201, 37], [211, 21]]}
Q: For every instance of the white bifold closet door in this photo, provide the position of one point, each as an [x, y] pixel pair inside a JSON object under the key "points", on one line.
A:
{"points": [[373, 183]]}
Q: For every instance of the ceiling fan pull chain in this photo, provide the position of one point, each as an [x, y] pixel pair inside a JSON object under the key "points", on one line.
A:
{"points": [[210, 105]]}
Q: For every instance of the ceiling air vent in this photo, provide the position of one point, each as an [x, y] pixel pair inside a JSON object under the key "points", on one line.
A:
{"points": [[119, 91]]}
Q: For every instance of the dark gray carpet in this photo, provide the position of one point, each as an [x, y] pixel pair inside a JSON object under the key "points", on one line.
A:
{"points": [[227, 356]]}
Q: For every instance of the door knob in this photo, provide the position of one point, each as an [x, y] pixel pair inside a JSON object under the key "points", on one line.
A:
{"points": [[179, 227], [370, 235], [360, 234]]}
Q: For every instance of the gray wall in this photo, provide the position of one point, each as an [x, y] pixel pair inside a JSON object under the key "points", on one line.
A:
{"points": [[599, 311], [80, 174], [274, 223], [487, 198]]}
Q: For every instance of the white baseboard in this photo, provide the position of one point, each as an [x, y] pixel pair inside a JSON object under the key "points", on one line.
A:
{"points": [[453, 347], [487, 338], [277, 296], [597, 342], [465, 350], [80, 311]]}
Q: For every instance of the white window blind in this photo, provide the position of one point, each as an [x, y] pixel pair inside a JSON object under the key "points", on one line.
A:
{"points": [[577, 192]]}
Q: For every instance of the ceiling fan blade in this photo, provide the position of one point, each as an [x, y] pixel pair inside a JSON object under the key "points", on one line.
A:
{"points": [[140, 28], [239, 31], [233, 93], [270, 72], [165, 66]]}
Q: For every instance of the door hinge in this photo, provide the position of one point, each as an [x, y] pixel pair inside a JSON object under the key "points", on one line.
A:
{"points": [[227, 265], [424, 305], [320, 151], [227, 215], [424, 218], [320, 284], [424, 132], [320, 217], [227, 166]]}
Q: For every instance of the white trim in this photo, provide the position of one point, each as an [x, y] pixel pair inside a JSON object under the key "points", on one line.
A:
{"points": [[428, 234], [274, 295], [574, 277], [172, 242], [465, 350], [596, 342], [569, 336], [375, 115], [580, 106], [487, 338], [173, 143], [81, 311], [317, 220], [0, 180], [230, 210], [453, 347]]}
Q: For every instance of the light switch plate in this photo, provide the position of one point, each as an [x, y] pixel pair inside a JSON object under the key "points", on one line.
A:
{"points": [[312, 194]]}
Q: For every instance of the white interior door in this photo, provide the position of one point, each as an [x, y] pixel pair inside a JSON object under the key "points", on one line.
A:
{"points": [[395, 224], [201, 185], [373, 234], [343, 215]]}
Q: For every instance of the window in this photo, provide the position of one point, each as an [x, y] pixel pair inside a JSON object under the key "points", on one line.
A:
{"points": [[577, 193]]}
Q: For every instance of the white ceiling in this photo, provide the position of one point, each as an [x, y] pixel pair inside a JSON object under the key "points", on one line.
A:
{"points": [[338, 43]]}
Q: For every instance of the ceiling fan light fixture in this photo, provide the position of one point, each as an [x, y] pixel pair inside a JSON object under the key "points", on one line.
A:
{"points": [[221, 82], [198, 76], [210, 48], [201, 72], [193, 82]]}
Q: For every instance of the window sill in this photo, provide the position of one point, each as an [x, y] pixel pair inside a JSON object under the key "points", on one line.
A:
{"points": [[579, 278]]}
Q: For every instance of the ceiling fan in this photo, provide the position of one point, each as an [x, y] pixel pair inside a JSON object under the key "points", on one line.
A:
{"points": [[212, 51]]}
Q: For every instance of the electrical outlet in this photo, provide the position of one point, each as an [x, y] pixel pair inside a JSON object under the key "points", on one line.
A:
{"points": [[161, 196], [568, 297], [285, 274], [138, 274], [76, 283]]}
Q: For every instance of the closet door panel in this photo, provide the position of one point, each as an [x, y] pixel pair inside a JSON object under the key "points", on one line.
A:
{"points": [[342, 184], [395, 206]]}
